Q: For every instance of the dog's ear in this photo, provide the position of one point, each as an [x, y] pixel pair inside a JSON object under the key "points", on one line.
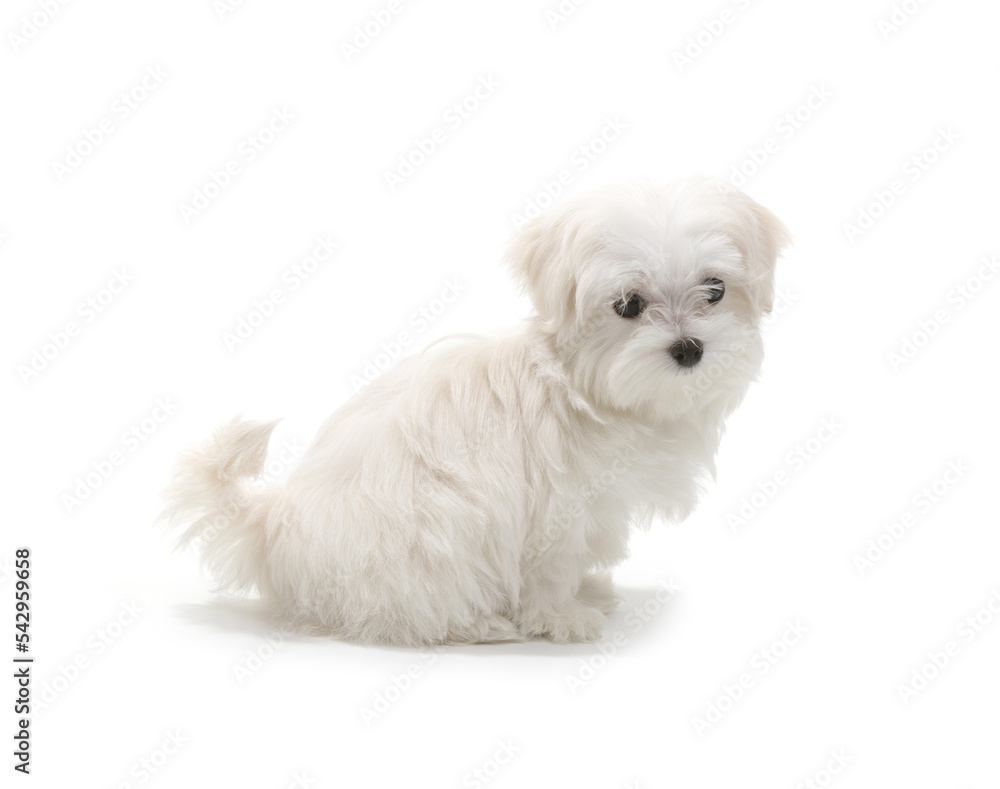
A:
{"points": [[544, 256], [760, 237]]}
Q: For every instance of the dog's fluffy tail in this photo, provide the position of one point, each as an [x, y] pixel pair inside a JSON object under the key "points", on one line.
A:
{"points": [[211, 498]]}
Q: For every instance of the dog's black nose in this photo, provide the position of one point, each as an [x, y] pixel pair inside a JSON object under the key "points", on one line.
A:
{"points": [[687, 352]]}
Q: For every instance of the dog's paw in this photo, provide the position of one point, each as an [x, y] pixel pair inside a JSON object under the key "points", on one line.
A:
{"points": [[598, 591], [577, 623], [483, 630]]}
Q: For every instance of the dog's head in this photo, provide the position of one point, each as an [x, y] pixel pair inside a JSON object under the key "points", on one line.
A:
{"points": [[653, 295]]}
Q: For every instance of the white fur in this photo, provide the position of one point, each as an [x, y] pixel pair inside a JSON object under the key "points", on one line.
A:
{"points": [[482, 489]]}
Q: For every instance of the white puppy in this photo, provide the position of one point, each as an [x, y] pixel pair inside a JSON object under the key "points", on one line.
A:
{"points": [[481, 489]]}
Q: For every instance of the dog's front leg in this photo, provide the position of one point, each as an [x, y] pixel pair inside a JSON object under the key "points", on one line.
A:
{"points": [[552, 602]]}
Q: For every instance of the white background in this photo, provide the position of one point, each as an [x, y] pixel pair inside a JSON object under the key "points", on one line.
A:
{"points": [[187, 664]]}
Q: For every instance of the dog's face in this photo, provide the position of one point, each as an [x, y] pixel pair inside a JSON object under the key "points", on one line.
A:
{"points": [[653, 295]]}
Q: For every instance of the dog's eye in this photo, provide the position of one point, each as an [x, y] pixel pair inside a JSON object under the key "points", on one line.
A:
{"points": [[716, 289], [631, 306]]}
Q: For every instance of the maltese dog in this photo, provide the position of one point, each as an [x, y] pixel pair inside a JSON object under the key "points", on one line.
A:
{"points": [[482, 489]]}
